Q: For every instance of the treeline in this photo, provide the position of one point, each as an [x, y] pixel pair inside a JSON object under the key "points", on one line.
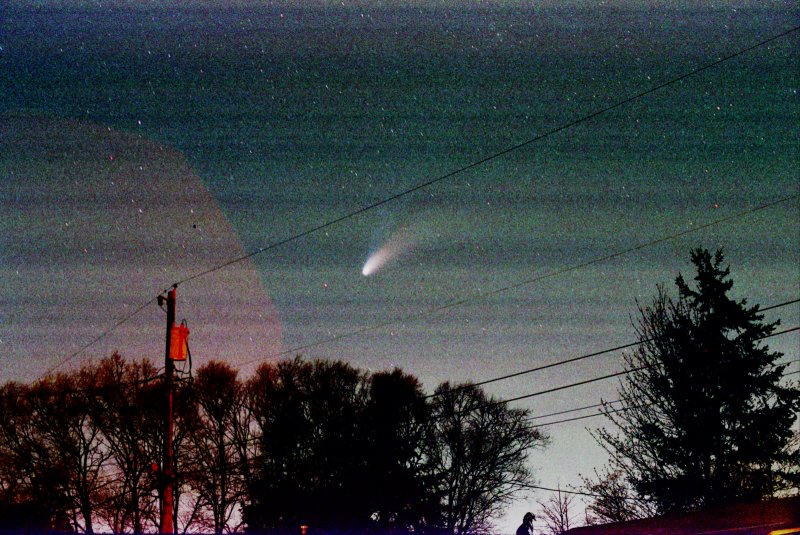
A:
{"points": [[320, 443]]}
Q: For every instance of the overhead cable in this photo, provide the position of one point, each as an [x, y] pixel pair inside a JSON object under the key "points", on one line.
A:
{"points": [[489, 293], [610, 404], [493, 156], [105, 333], [582, 357], [575, 492], [496, 155], [604, 413], [585, 381]]}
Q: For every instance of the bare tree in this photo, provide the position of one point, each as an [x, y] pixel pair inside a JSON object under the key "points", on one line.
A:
{"points": [[61, 416], [126, 407], [216, 476], [556, 511], [480, 451], [246, 439], [193, 515], [31, 471], [614, 499], [301, 441]]}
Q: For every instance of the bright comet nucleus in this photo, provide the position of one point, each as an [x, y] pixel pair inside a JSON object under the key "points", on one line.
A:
{"points": [[394, 247], [375, 262]]}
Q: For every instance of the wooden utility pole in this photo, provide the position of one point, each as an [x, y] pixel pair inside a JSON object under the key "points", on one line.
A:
{"points": [[167, 470]]}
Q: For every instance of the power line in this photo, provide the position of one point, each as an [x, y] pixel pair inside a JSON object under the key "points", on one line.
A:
{"points": [[568, 386], [614, 411], [785, 303], [453, 304], [525, 282], [610, 403], [585, 381], [544, 367], [595, 415], [472, 297], [622, 252], [581, 357], [480, 383], [578, 493], [577, 409], [448, 175], [149, 379], [98, 338], [494, 156]]}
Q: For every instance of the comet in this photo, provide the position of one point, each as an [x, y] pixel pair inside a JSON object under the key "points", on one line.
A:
{"points": [[399, 244], [376, 261]]}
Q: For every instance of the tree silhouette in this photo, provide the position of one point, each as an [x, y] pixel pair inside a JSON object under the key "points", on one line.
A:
{"points": [[708, 420], [51, 452], [480, 451], [31, 470], [213, 470], [309, 463], [318, 443], [396, 433], [614, 499], [62, 418], [557, 512], [127, 408]]}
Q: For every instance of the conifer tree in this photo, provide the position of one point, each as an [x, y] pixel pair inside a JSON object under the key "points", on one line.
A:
{"points": [[709, 418]]}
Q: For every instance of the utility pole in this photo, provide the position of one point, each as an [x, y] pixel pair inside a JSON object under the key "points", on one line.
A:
{"points": [[167, 470]]}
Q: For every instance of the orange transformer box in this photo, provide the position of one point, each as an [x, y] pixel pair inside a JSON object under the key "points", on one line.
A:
{"points": [[179, 342]]}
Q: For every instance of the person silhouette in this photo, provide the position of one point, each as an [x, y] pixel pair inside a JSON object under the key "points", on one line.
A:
{"points": [[526, 528]]}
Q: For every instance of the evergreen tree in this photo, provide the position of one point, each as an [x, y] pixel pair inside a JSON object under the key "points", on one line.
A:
{"points": [[708, 419]]}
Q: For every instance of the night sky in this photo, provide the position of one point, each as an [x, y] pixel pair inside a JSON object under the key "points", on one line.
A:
{"points": [[141, 144]]}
